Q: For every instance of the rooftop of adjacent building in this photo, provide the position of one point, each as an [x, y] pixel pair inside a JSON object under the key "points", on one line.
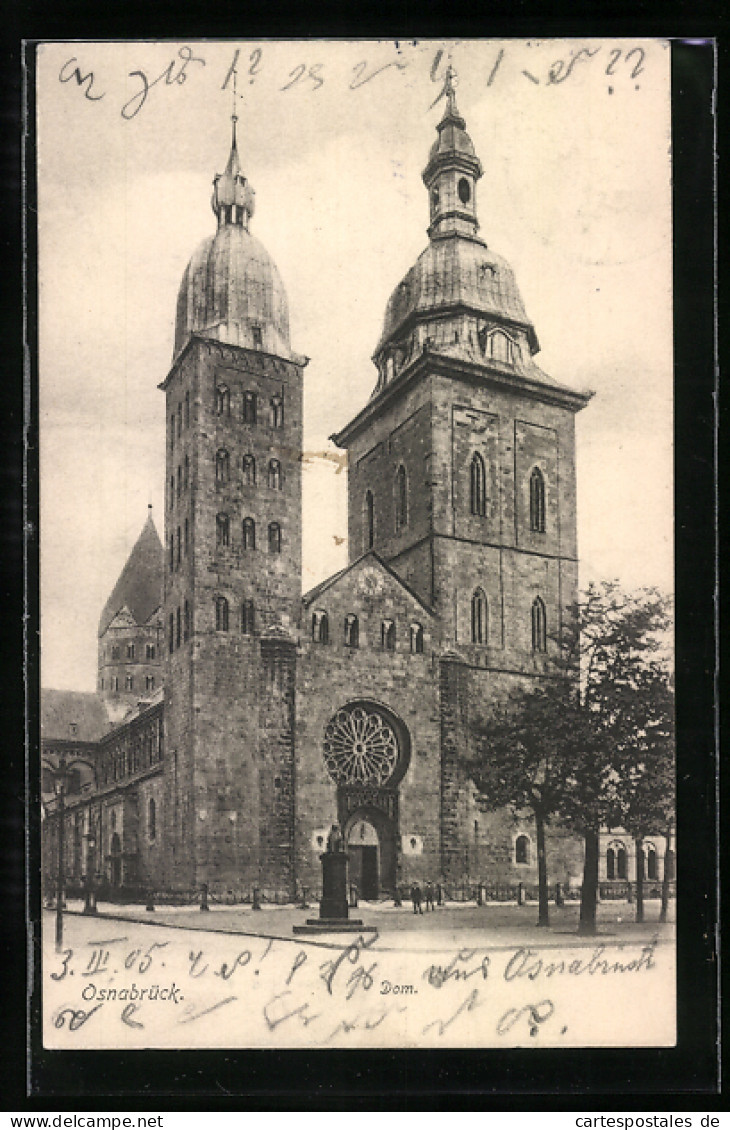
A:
{"points": [[140, 585]]}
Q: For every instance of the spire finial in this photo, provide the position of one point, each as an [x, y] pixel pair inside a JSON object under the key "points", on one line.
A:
{"points": [[450, 83], [234, 115]]}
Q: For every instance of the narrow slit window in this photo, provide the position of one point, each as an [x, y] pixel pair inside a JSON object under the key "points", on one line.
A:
{"points": [[274, 474], [478, 485], [249, 470], [247, 617], [223, 400], [277, 412], [221, 614], [249, 533], [401, 498], [369, 520], [222, 466], [387, 635], [223, 531], [537, 501], [186, 620], [274, 537], [416, 639], [539, 625], [479, 617], [250, 407], [352, 631], [320, 626]]}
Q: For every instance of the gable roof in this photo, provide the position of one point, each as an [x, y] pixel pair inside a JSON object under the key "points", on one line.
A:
{"points": [[61, 709], [139, 588], [311, 596]]}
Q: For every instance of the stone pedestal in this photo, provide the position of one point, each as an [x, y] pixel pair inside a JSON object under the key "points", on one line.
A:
{"points": [[334, 885], [333, 909]]}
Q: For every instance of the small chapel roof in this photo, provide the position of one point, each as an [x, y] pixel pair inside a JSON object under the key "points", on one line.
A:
{"points": [[139, 588]]}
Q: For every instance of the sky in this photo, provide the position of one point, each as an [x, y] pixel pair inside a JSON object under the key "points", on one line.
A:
{"points": [[574, 139]]}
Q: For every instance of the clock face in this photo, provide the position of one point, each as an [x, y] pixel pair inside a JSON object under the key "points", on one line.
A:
{"points": [[371, 583]]}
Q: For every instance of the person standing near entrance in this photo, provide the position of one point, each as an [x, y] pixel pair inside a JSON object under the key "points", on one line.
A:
{"points": [[429, 896], [416, 899]]}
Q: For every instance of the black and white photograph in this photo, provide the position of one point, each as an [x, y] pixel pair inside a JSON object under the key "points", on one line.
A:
{"points": [[355, 386]]}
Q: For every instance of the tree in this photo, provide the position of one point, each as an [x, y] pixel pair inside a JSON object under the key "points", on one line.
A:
{"points": [[519, 761], [586, 744], [644, 758]]}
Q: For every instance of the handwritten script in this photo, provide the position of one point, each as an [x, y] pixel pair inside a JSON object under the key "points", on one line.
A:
{"points": [[150, 987]]}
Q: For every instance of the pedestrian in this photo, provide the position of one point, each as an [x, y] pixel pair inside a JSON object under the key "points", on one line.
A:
{"points": [[416, 897], [429, 896]]}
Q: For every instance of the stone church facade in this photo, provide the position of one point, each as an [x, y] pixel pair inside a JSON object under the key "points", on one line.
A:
{"points": [[237, 718]]}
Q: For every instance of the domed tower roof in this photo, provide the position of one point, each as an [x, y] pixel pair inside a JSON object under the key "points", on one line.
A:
{"points": [[457, 272], [139, 588], [231, 289]]}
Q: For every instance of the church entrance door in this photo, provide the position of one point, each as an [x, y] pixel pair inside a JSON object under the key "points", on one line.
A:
{"points": [[363, 847]]}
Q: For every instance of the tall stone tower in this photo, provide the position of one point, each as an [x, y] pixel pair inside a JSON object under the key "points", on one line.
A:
{"points": [[462, 464], [233, 557]]}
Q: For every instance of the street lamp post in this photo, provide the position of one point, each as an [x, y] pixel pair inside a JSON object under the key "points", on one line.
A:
{"points": [[90, 893], [60, 788]]}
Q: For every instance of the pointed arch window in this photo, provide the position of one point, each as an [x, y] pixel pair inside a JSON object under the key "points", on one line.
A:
{"points": [[171, 498], [178, 489], [479, 617], [320, 626], [387, 635], [651, 862], [222, 466], [274, 537], [369, 520], [186, 538], [188, 620], [179, 420], [223, 530], [274, 474], [172, 552], [352, 631], [401, 498], [187, 409], [537, 501], [478, 485], [129, 683], [258, 339], [247, 617], [178, 626], [171, 633], [416, 639], [221, 614], [276, 411], [178, 555], [149, 682], [249, 533], [186, 472], [539, 625], [501, 347], [249, 407], [248, 465], [151, 819], [223, 400]]}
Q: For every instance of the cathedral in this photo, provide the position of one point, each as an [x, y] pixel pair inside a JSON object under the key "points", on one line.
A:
{"points": [[237, 718]]}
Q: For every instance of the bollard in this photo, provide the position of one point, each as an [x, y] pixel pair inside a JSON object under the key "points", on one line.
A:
{"points": [[353, 894], [479, 894], [303, 905], [629, 893], [204, 897], [439, 896], [150, 901], [559, 900], [255, 904], [520, 895]]}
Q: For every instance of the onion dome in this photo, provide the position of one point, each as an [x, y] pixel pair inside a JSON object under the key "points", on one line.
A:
{"points": [[459, 291], [231, 289]]}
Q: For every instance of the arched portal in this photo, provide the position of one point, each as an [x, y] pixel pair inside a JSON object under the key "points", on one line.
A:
{"points": [[363, 847], [366, 753]]}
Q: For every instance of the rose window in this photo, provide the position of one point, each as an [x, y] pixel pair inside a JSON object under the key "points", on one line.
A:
{"points": [[360, 747]]}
